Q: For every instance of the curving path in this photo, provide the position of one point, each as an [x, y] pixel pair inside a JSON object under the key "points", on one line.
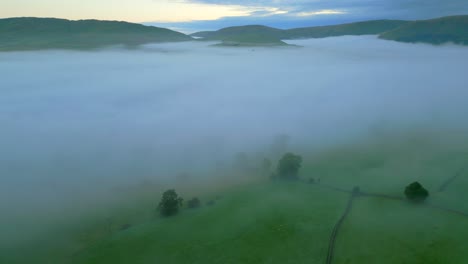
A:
{"points": [[357, 193]]}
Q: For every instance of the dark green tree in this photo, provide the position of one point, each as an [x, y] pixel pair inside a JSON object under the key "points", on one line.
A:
{"points": [[288, 166], [170, 203], [416, 192]]}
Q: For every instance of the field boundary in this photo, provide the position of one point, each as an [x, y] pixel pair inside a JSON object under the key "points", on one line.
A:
{"points": [[447, 182], [336, 228], [356, 193]]}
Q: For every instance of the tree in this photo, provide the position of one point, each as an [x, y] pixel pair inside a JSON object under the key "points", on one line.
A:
{"points": [[170, 203], [288, 166], [193, 203], [415, 192]]}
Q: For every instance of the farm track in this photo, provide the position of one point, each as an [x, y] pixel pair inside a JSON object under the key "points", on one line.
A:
{"points": [[355, 193], [336, 228], [447, 182]]}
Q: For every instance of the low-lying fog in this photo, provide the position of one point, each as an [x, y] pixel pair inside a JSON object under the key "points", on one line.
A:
{"points": [[75, 121]]}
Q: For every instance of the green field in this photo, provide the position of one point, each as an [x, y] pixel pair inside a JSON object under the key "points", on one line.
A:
{"points": [[285, 222]]}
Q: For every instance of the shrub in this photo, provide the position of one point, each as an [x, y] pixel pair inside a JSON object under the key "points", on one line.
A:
{"points": [[170, 203], [193, 203], [288, 166], [416, 192], [125, 227]]}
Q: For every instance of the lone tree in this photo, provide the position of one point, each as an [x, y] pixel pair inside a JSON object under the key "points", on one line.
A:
{"points": [[288, 166], [193, 203], [170, 203], [415, 192]]}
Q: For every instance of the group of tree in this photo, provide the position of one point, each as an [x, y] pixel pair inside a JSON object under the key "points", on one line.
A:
{"points": [[193, 203], [287, 169], [171, 203]]}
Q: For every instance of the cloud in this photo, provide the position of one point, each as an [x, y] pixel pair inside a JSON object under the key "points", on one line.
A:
{"points": [[267, 11], [320, 12], [290, 14], [356, 9], [73, 122], [77, 124]]}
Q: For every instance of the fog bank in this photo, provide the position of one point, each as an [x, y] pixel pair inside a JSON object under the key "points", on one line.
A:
{"points": [[74, 121]]}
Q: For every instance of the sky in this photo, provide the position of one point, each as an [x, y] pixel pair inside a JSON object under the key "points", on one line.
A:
{"points": [[192, 15]]}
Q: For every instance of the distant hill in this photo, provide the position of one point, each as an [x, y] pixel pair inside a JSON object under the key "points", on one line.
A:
{"points": [[372, 27], [254, 31], [50, 33], [251, 35], [268, 35], [434, 31]]}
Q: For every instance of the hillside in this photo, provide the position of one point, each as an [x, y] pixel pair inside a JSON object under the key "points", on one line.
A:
{"points": [[262, 34], [251, 35], [50, 33], [434, 31], [252, 40], [373, 27], [239, 31], [279, 222], [290, 222]]}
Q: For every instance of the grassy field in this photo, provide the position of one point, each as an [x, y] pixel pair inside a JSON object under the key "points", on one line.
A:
{"points": [[277, 222]]}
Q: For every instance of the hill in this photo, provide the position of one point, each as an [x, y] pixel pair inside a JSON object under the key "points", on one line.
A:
{"points": [[251, 35], [257, 31], [434, 31], [30, 33], [252, 41], [373, 27], [267, 35], [290, 222]]}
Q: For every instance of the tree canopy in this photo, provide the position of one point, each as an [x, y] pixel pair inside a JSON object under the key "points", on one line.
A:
{"points": [[416, 192], [170, 203], [288, 166]]}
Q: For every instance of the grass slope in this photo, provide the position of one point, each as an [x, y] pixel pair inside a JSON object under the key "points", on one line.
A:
{"points": [[434, 31], [30, 33], [275, 222], [268, 223], [402, 233]]}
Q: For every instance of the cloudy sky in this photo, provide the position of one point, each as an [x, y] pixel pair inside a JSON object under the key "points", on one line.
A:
{"points": [[190, 15]]}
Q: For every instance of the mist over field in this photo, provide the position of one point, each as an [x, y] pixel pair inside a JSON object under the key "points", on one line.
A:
{"points": [[78, 124]]}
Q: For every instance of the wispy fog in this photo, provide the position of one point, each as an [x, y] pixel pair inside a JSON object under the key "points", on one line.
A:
{"points": [[74, 121]]}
